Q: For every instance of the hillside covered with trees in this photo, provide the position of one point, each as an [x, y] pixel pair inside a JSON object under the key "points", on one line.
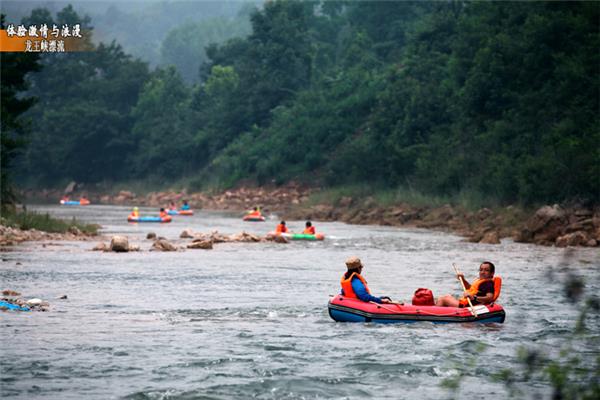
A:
{"points": [[494, 98]]}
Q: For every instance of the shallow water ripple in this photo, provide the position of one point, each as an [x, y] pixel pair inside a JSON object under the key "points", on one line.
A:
{"points": [[250, 320]]}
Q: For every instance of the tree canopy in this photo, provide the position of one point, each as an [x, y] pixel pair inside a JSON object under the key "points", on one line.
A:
{"points": [[499, 98]]}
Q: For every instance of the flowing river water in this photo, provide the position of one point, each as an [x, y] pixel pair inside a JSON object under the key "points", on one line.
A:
{"points": [[249, 320]]}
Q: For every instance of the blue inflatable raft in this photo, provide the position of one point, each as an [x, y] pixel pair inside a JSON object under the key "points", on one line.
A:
{"points": [[10, 306]]}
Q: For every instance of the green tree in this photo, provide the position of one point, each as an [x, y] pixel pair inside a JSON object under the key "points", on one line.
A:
{"points": [[13, 126], [162, 138]]}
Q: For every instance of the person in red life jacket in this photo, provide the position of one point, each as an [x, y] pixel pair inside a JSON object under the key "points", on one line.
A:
{"points": [[481, 291], [163, 213], [355, 286], [309, 230], [254, 213], [281, 228]]}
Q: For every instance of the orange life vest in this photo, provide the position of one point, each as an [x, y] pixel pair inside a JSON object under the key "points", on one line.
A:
{"points": [[347, 285], [134, 214], [281, 229], [163, 214], [474, 289], [309, 231]]}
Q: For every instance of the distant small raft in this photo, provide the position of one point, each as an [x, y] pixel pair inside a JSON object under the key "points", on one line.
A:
{"points": [[149, 219], [82, 202], [180, 212], [298, 236], [5, 305], [303, 236], [344, 309], [254, 218]]}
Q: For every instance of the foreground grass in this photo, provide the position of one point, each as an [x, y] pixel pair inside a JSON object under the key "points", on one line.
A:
{"points": [[26, 220]]}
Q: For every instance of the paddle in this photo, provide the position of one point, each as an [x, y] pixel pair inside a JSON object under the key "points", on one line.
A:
{"points": [[462, 283]]}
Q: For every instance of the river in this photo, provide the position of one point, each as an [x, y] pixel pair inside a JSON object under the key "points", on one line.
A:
{"points": [[250, 319]]}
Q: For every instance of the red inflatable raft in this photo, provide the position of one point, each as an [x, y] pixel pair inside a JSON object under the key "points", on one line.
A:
{"points": [[345, 309], [254, 218]]}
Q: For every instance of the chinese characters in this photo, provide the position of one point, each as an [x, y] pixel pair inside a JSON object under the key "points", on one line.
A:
{"points": [[44, 38]]}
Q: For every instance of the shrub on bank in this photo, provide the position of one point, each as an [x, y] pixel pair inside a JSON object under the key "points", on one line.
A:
{"points": [[26, 220]]}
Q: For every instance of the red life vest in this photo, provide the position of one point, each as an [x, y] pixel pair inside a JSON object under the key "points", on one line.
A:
{"points": [[281, 228], [474, 289], [309, 231], [347, 285]]}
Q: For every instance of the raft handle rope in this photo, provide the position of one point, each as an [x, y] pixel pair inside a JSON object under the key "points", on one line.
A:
{"points": [[418, 310]]}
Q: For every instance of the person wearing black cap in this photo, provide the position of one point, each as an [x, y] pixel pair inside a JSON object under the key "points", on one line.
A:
{"points": [[355, 286]]}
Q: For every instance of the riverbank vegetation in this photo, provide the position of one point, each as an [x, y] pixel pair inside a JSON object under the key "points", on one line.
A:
{"points": [[468, 102], [27, 220]]}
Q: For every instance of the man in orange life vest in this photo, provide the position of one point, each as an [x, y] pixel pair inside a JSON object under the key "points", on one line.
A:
{"points": [[281, 228], [309, 230], [254, 213], [355, 286], [163, 213], [481, 291]]}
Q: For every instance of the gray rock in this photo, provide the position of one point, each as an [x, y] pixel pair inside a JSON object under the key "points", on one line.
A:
{"points": [[187, 234], [201, 244], [119, 244], [163, 245], [101, 247]]}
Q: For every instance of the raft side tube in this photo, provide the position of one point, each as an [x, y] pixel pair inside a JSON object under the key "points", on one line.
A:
{"points": [[343, 309]]}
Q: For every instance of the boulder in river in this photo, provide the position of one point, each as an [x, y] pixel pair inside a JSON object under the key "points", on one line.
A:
{"points": [[163, 245], [119, 244], [101, 247], [186, 234], [201, 244]]}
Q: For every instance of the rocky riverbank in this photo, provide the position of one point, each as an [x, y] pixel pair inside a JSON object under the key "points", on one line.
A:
{"points": [[10, 236], [559, 225], [269, 199], [547, 226]]}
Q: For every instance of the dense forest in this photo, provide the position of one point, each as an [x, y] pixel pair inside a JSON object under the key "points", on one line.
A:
{"points": [[495, 98]]}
